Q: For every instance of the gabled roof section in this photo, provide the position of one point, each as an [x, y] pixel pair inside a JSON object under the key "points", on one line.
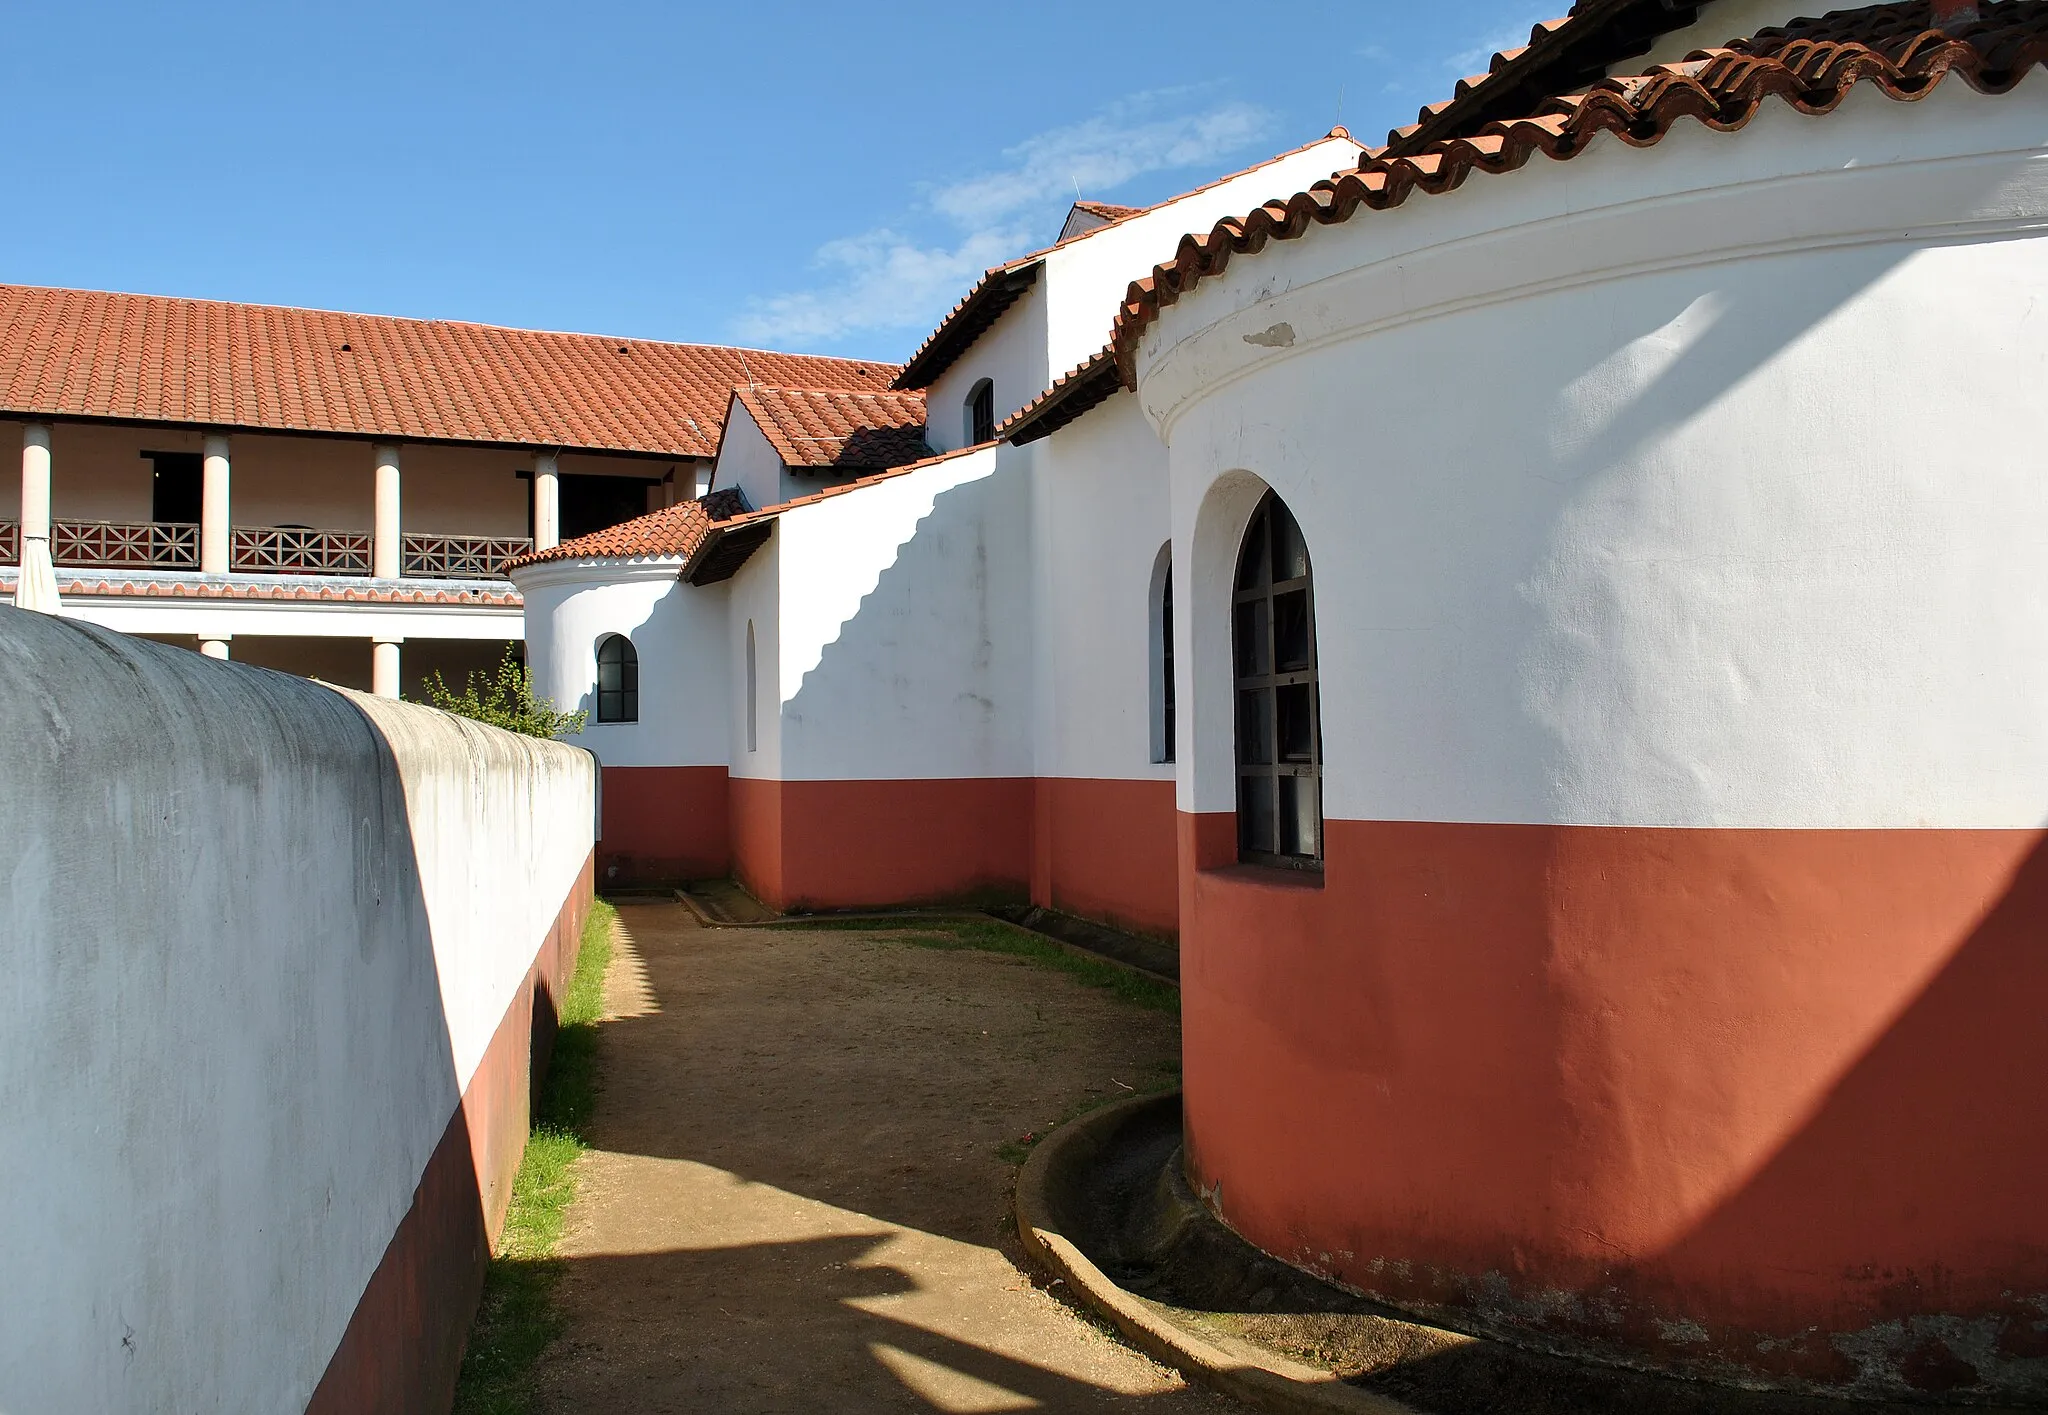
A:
{"points": [[672, 532], [204, 363], [837, 430], [1073, 394], [1811, 66], [1088, 216], [729, 544], [995, 292], [1001, 286]]}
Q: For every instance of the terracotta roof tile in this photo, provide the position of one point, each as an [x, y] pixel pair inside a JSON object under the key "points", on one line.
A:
{"points": [[823, 429], [1108, 211], [1810, 65], [90, 354], [1072, 394], [672, 531]]}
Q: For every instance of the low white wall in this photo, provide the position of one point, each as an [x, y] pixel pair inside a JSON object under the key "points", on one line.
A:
{"points": [[260, 935]]}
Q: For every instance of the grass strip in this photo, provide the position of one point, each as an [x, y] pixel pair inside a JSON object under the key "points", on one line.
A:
{"points": [[993, 936], [516, 1320]]}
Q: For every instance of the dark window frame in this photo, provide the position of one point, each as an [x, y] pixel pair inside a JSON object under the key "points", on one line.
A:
{"points": [[1167, 724], [981, 413], [1276, 696], [618, 701]]}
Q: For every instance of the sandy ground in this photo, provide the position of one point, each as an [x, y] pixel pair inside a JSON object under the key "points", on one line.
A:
{"points": [[794, 1200]]}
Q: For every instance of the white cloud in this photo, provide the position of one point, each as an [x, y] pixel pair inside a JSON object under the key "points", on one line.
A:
{"points": [[886, 279], [1474, 58]]}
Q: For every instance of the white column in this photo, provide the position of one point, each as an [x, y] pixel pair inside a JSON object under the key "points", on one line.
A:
{"points": [[35, 482], [385, 562], [547, 502], [384, 667], [214, 648], [215, 538]]}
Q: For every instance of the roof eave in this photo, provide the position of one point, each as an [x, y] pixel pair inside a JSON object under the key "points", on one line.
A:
{"points": [[969, 320]]}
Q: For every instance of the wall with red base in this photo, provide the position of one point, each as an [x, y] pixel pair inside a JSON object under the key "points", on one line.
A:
{"points": [[663, 825], [1767, 1094]]}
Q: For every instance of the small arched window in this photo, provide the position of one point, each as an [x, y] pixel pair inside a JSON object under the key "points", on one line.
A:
{"points": [[981, 413], [618, 680], [1279, 711]]}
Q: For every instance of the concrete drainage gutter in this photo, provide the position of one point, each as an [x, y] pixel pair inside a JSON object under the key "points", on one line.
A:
{"points": [[1261, 1379]]}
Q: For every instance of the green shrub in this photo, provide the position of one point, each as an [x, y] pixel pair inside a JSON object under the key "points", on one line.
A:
{"points": [[505, 699]]}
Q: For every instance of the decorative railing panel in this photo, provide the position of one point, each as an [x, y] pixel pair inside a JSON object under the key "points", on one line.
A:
{"points": [[461, 557], [120, 545], [275, 550], [300, 550]]}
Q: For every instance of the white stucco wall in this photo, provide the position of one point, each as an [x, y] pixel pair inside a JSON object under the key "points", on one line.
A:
{"points": [[1100, 517], [1696, 486], [747, 460], [893, 629], [260, 933], [678, 633], [1011, 353], [1086, 279]]}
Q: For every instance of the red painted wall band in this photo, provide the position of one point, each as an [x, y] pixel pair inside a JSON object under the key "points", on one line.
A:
{"points": [[1741, 1085], [664, 824]]}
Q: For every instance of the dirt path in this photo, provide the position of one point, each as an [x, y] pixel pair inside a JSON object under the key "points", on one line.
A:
{"points": [[794, 1201]]}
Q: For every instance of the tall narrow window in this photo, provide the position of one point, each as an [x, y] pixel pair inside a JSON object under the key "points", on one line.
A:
{"points": [[1279, 714], [753, 696], [618, 680], [1160, 642], [1166, 666], [981, 413]]}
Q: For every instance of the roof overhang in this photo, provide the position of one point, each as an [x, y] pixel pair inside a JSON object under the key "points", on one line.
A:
{"points": [[1090, 384], [997, 291], [1559, 58], [726, 549]]}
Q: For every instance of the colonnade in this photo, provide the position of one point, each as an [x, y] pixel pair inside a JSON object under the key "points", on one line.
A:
{"points": [[216, 534]]}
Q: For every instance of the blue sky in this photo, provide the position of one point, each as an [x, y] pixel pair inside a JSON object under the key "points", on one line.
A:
{"points": [[817, 177]]}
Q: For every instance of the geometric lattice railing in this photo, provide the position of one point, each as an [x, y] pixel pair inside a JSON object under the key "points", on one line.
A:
{"points": [[461, 557], [275, 550], [299, 550]]}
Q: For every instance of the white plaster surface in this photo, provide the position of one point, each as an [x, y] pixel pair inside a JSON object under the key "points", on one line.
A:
{"points": [[678, 632], [259, 934], [1694, 487]]}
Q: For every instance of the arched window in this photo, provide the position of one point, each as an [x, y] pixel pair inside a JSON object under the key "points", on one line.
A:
{"points": [[618, 680], [1161, 637], [1279, 713], [981, 413]]}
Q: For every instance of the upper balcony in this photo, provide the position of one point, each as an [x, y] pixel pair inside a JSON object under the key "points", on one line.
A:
{"points": [[268, 550]]}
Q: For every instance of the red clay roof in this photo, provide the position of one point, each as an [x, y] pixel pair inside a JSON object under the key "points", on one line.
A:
{"points": [[672, 531], [823, 429], [203, 363], [1811, 65], [1107, 210], [1072, 394]]}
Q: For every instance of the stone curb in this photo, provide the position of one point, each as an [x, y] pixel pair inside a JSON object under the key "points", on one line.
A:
{"points": [[1261, 1379]]}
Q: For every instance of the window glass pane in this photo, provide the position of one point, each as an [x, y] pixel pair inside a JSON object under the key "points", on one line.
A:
{"points": [[1295, 703], [1255, 813], [1301, 816], [1290, 631], [607, 671], [1290, 554], [1251, 563], [629, 706], [629, 669], [1252, 647], [1255, 726]]}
